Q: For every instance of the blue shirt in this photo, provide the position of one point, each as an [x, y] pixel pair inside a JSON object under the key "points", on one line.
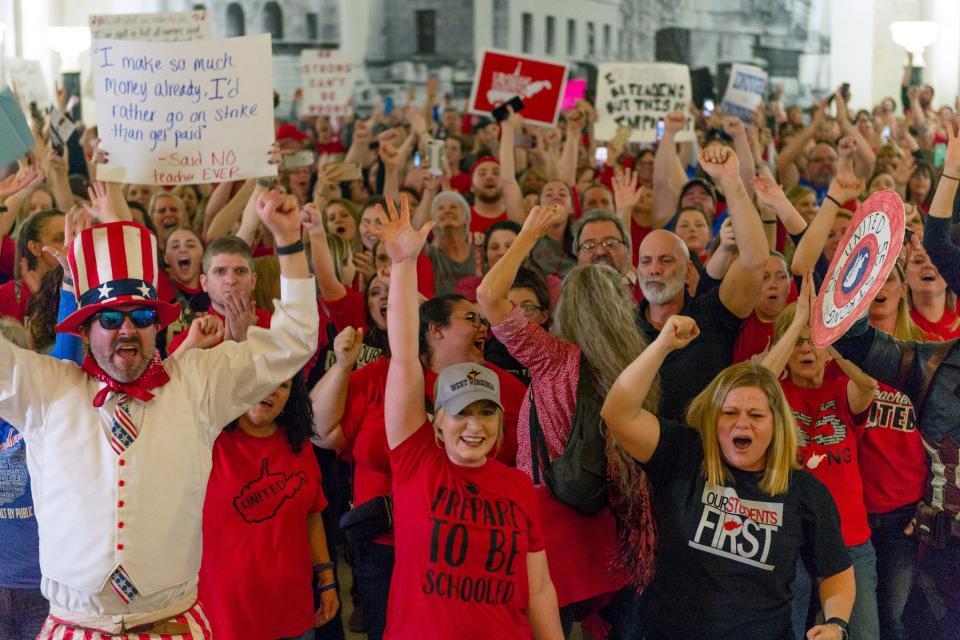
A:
{"points": [[20, 552]]}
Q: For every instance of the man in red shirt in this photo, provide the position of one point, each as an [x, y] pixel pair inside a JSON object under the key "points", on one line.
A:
{"points": [[488, 205], [228, 278]]}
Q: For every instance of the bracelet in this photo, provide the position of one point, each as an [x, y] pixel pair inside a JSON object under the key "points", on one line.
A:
{"points": [[769, 221], [266, 183], [833, 200], [326, 587], [323, 566], [289, 249], [943, 175]]}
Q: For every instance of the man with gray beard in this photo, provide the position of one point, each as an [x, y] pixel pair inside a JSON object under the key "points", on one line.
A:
{"points": [[664, 262]]}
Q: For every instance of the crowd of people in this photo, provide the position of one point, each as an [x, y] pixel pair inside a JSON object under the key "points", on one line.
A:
{"points": [[510, 392]]}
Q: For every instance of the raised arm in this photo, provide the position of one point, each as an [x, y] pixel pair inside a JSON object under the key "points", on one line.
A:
{"points": [[636, 429], [771, 196], [861, 388], [512, 195], [329, 395], [331, 288], [792, 150], [735, 128], [404, 412], [741, 284], [844, 187], [779, 354], [668, 174], [567, 170], [944, 254], [864, 160], [223, 221], [493, 290]]}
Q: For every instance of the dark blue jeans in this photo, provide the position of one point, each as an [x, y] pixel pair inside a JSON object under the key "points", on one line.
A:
{"points": [[624, 613], [22, 612], [372, 570], [896, 562]]}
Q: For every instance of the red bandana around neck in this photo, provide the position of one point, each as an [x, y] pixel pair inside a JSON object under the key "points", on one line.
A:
{"points": [[155, 376]]}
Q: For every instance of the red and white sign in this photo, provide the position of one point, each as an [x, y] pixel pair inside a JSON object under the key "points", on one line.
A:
{"points": [[327, 78], [539, 83], [860, 266]]}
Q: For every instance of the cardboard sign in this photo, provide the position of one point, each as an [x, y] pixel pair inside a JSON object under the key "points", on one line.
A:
{"points": [[181, 26], [30, 81], [16, 139], [173, 113], [638, 96], [327, 78], [860, 266], [539, 83], [745, 91]]}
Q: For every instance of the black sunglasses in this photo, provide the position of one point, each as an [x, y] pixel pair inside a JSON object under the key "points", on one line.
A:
{"points": [[141, 318]]}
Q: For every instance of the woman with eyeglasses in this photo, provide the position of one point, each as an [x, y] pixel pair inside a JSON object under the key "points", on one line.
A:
{"points": [[830, 415], [594, 336], [348, 417]]}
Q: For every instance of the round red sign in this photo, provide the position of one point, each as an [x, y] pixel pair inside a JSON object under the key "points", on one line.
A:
{"points": [[860, 266]]}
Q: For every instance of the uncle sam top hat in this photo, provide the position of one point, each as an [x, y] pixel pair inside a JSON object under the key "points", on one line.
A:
{"points": [[115, 264]]}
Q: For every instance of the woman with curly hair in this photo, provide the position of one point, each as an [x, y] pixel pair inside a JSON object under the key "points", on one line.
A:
{"points": [[265, 556]]}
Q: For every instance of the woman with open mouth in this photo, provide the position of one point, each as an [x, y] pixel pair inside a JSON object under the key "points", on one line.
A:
{"points": [[477, 571], [734, 511], [180, 281], [167, 214], [349, 410], [830, 417], [932, 304], [266, 570]]}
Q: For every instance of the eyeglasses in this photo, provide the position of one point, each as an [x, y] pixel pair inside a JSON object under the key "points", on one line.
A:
{"points": [[473, 318], [111, 319], [529, 307], [607, 243]]}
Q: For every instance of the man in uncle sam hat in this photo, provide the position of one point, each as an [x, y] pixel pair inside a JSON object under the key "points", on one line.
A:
{"points": [[119, 449]]}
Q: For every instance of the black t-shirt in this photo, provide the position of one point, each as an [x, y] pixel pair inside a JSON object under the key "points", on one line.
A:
{"points": [[686, 372], [726, 556]]}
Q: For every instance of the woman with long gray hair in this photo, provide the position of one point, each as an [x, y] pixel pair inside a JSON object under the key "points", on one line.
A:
{"points": [[594, 336]]}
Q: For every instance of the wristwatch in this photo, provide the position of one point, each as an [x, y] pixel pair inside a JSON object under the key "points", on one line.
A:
{"points": [[843, 626]]}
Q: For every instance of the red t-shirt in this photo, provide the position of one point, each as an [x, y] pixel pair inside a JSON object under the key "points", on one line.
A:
{"points": [[479, 225], [263, 321], [947, 328], [462, 538], [346, 312], [462, 183], [893, 462], [366, 435], [754, 337], [827, 448], [9, 305], [257, 571], [8, 254]]}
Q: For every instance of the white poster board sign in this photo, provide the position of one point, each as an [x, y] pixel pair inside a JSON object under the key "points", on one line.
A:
{"points": [[182, 26], [327, 78], [638, 96], [31, 84], [173, 113], [745, 91]]}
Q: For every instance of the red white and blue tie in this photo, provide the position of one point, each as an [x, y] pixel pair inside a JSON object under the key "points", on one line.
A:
{"points": [[123, 432]]}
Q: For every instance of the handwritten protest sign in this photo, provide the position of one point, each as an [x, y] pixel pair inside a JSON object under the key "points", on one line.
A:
{"points": [[327, 79], [744, 91], [638, 96], [31, 84], [501, 76], [171, 113], [181, 26]]}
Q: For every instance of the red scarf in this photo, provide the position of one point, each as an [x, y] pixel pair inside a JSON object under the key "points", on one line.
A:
{"points": [[154, 376]]}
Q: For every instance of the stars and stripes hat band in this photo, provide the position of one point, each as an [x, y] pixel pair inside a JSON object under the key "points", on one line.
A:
{"points": [[115, 264]]}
